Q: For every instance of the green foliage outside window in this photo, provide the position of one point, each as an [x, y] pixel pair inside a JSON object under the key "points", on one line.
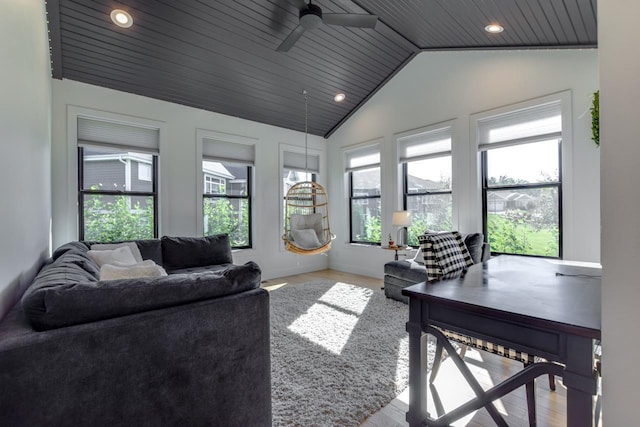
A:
{"points": [[222, 217], [118, 219]]}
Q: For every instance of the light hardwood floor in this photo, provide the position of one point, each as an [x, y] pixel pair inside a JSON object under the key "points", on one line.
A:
{"points": [[451, 387]]}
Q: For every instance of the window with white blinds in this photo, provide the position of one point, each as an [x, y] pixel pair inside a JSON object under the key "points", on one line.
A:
{"points": [[425, 158], [532, 124], [424, 145], [521, 158], [362, 158], [216, 150], [227, 170], [362, 166], [299, 162], [111, 135], [117, 180]]}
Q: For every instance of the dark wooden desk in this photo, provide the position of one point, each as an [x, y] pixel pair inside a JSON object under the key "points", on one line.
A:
{"points": [[533, 305]]}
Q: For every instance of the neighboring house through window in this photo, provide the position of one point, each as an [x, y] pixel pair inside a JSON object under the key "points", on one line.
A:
{"points": [[227, 177], [363, 171], [521, 156], [425, 156], [117, 181]]}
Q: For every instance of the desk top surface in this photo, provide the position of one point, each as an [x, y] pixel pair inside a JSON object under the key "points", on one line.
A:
{"points": [[535, 291]]}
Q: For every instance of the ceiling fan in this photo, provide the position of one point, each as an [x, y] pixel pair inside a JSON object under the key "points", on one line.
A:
{"points": [[311, 17]]}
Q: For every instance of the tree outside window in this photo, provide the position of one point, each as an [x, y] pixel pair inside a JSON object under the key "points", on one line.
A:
{"points": [[227, 201], [117, 196]]}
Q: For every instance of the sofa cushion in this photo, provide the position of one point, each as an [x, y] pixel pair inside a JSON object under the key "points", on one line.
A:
{"points": [[87, 301], [444, 253], [149, 248], [408, 270], [146, 268], [135, 251], [474, 243], [203, 269], [186, 252], [122, 255]]}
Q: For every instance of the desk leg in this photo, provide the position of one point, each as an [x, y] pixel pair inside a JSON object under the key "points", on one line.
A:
{"points": [[417, 366], [581, 381]]}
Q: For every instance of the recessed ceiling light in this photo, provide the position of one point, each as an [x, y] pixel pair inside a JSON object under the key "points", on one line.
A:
{"points": [[494, 28], [121, 18], [339, 97]]}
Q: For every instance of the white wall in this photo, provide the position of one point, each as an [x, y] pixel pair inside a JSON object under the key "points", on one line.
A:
{"points": [[25, 99], [179, 203], [441, 86], [620, 204]]}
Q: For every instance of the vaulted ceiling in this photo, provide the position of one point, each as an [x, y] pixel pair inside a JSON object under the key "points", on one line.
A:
{"points": [[220, 55]]}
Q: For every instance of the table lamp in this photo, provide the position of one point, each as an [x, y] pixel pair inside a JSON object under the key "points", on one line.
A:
{"points": [[401, 219]]}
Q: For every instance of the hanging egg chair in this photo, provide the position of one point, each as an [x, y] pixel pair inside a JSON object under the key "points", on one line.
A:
{"points": [[306, 229]]}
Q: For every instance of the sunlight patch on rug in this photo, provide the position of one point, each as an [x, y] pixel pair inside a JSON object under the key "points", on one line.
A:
{"points": [[326, 324]]}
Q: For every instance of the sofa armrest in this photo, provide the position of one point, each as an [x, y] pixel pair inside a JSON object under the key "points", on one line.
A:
{"points": [[204, 363]]}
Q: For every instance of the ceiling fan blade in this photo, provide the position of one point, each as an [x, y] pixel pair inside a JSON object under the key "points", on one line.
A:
{"points": [[291, 39], [300, 4], [350, 19]]}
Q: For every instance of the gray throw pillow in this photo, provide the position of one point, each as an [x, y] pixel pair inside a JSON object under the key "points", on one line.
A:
{"points": [[306, 239]]}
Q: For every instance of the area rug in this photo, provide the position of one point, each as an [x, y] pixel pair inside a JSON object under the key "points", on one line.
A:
{"points": [[339, 353]]}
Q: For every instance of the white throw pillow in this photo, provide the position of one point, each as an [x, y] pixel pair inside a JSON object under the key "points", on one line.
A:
{"points": [[146, 268], [110, 246], [122, 255], [306, 239]]}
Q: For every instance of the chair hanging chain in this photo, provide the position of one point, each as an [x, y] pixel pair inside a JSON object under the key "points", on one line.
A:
{"points": [[306, 124]]}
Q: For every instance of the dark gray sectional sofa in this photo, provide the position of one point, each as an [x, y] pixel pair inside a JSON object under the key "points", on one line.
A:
{"points": [[190, 349]]}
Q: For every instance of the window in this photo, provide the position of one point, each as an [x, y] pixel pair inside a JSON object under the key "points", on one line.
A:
{"points": [[426, 178], [115, 201], [144, 171], [363, 170], [522, 180], [212, 184], [227, 175], [296, 168]]}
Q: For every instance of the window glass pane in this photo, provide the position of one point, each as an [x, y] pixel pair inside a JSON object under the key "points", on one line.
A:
{"points": [[290, 177], [523, 164], [231, 216], [365, 220], [113, 170], [524, 222], [113, 218], [432, 212], [365, 182], [429, 175], [225, 178]]}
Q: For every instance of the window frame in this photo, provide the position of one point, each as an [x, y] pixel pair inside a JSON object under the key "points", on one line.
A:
{"points": [[405, 185], [484, 170], [352, 198], [82, 192], [248, 197]]}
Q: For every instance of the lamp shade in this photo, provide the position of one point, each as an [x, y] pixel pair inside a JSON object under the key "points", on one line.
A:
{"points": [[402, 218]]}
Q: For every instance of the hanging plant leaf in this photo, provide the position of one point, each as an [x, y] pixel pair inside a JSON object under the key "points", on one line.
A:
{"points": [[595, 118]]}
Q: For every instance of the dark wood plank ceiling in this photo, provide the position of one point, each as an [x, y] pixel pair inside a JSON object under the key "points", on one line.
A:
{"points": [[220, 55]]}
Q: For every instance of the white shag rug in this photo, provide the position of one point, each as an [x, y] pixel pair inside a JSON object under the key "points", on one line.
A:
{"points": [[339, 353]]}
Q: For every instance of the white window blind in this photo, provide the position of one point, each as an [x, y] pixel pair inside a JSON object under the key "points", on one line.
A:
{"points": [[221, 151], [362, 158], [539, 123], [296, 161], [434, 143], [97, 133]]}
